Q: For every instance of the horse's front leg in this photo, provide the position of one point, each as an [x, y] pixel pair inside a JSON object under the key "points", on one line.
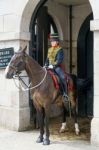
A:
{"points": [[46, 140], [40, 117]]}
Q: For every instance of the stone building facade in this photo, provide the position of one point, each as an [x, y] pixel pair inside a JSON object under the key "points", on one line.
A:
{"points": [[15, 22]]}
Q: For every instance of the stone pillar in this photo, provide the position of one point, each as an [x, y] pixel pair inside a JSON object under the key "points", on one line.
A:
{"points": [[95, 120], [15, 18], [14, 103]]}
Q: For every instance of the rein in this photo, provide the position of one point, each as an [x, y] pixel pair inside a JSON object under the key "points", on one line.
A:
{"points": [[28, 86]]}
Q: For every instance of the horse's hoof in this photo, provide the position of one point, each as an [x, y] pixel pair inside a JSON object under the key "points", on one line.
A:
{"points": [[39, 140], [63, 130], [46, 142], [77, 132]]}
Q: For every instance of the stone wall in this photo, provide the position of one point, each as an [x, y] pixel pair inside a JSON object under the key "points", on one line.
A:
{"points": [[14, 32], [15, 17]]}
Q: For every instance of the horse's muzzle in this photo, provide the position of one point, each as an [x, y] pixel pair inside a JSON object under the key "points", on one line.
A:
{"points": [[9, 73], [8, 76]]}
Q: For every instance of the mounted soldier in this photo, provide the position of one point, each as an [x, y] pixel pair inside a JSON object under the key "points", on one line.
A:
{"points": [[54, 61]]}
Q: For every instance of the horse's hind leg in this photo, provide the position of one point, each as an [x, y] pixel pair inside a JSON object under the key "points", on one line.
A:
{"points": [[40, 117], [73, 101], [75, 119], [63, 126], [76, 122]]}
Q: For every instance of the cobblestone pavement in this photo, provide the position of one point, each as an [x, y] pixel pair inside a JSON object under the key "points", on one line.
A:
{"points": [[11, 140]]}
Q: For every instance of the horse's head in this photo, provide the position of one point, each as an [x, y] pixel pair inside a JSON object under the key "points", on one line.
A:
{"points": [[16, 64]]}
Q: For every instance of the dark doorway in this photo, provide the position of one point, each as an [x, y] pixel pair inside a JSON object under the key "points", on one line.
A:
{"points": [[85, 67], [39, 38], [40, 29]]}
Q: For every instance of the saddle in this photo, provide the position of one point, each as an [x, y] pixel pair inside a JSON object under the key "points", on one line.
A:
{"points": [[57, 81], [55, 78]]}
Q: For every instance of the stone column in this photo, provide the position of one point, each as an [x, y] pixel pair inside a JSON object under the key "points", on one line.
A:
{"points": [[15, 18], [95, 120], [14, 103]]}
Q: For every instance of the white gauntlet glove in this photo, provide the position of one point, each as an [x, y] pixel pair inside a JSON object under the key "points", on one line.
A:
{"points": [[50, 66]]}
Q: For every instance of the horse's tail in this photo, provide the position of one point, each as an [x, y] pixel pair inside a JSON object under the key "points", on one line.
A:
{"points": [[84, 84], [74, 78], [81, 84]]}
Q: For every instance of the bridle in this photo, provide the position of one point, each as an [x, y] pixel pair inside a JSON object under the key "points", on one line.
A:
{"points": [[13, 67], [19, 77]]}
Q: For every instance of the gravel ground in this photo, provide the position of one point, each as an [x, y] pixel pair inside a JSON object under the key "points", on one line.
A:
{"points": [[11, 140]]}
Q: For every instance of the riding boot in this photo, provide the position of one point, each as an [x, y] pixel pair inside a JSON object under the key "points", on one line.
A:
{"points": [[63, 83], [65, 96]]}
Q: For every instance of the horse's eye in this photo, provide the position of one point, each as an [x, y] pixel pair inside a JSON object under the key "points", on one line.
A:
{"points": [[19, 64]]}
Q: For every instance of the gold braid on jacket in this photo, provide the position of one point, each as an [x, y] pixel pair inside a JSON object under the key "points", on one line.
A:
{"points": [[52, 52]]}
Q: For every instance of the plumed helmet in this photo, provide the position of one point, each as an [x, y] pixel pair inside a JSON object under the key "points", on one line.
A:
{"points": [[54, 37]]}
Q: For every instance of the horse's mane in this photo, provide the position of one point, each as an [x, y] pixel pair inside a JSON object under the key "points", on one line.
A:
{"points": [[33, 60], [29, 57]]}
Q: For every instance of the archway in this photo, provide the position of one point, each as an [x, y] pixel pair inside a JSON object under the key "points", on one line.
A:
{"points": [[34, 11], [85, 66]]}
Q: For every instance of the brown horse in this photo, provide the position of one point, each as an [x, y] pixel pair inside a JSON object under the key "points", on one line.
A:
{"points": [[43, 92]]}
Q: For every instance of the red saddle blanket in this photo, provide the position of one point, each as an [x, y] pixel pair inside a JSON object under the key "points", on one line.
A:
{"points": [[56, 82], [55, 79]]}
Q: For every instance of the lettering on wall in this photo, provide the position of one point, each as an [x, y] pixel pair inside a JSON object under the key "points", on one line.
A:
{"points": [[5, 56]]}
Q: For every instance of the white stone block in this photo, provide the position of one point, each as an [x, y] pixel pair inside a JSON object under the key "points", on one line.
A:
{"points": [[24, 98], [14, 104], [95, 131], [95, 8], [96, 84], [94, 25], [14, 118], [8, 36], [96, 41], [1, 23], [9, 99], [11, 23], [96, 68], [96, 106], [96, 57]]}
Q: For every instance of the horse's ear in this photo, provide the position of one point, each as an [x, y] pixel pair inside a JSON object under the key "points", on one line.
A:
{"points": [[24, 50], [20, 48]]}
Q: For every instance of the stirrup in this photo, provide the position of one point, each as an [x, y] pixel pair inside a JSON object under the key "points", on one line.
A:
{"points": [[65, 97]]}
